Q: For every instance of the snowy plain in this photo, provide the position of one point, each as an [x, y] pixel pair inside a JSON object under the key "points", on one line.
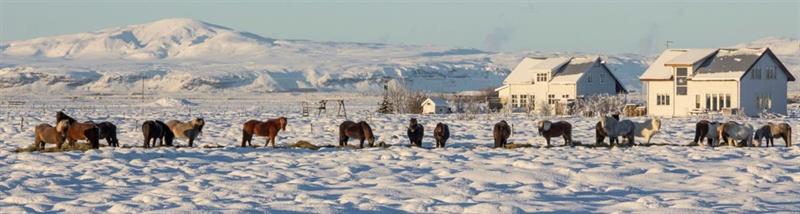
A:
{"points": [[465, 177]]}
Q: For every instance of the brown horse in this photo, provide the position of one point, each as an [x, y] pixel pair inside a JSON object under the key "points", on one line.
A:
{"points": [[267, 129], [80, 131], [773, 130], [549, 130], [441, 134], [46, 134], [361, 131], [501, 134]]}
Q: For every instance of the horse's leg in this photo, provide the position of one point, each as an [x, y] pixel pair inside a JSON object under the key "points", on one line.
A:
{"points": [[191, 142], [361, 144], [244, 138], [272, 139]]}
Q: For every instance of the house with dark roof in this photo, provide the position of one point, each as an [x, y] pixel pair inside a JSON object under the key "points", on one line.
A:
{"points": [[540, 81], [683, 82]]}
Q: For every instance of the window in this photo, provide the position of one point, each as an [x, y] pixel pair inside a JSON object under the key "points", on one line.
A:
{"points": [[662, 100], [727, 101], [566, 96], [523, 100], [589, 76], [697, 101], [771, 75], [680, 81], [764, 102], [532, 102], [514, 101], [714, 102], [541, 77], [721, 101], [756, 73], [551, 99]]}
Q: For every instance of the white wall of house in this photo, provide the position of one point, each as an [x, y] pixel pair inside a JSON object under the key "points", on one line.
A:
{"points": [[430, 107], [774, 88], [596, 81], [657, 89], [714, 90]]}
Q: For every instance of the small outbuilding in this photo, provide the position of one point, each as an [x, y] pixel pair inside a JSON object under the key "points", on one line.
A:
{"points": [[435, 106]]}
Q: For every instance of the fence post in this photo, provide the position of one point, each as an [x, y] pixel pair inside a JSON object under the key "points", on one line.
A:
{"points": [[21, 123]]}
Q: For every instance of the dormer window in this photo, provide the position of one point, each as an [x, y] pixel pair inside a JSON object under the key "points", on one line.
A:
{"points": [[680, 81], [541, 77]]}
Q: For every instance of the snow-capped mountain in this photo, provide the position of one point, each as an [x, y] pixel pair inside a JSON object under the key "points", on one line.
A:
{"points": [[185, 55], [168, 38]]}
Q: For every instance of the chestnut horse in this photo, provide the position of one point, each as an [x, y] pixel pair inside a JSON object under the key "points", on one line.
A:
{"points": [[267, 129], [773, 130], [80, 131], [361, 131]]}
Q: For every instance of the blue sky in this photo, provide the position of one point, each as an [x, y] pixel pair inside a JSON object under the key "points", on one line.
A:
{"points": [[622, 26]]}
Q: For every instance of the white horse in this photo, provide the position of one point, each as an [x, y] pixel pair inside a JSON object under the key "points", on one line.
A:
{"points": [[737, 132], [621, 128], [648, 128], [188, 130]]}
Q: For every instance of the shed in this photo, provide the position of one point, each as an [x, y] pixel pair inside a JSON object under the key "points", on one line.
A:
{"points": [[435, 106]]}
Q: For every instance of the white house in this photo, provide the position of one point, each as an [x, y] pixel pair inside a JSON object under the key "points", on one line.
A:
{"points": [[435, 106], [686, 81], [538, 80]]}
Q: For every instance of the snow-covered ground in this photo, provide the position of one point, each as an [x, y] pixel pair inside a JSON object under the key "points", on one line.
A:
{"points": [[468, 176]]}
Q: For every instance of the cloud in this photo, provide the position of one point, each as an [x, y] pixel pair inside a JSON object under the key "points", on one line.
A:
{"points": [[497, 38]]}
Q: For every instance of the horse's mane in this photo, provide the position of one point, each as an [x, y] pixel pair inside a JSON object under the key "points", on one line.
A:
{"points": [[61, 116]]}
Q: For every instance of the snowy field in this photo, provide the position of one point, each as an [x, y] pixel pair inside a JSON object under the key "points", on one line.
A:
{"points": [[466, 177]]}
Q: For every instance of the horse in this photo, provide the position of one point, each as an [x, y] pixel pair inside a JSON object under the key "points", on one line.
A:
{"points": [[773, 130], [441, 134], [501, 134], [701, 131], [361, 131], [415, 132], [600, 134], [267, 129], [187, 130], [80, 131], [154, 130], [737, 132], [108, 131], [764, 132], [549, 129], [648, 128], [48, 134], [618, 128]]}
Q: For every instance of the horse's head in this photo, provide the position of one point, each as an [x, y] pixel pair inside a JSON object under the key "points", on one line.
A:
{"points": [[544, 125], [367, 130], [282, 121], [62, 127], [413, 123]]}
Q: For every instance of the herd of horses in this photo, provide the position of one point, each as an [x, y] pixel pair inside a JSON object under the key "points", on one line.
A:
{"points": [[611, 126]]}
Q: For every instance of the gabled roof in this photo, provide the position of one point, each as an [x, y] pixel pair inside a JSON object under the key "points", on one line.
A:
{"points": [[572, 71], [563, 70], [659, 70], [436, 101], [720, 64]]}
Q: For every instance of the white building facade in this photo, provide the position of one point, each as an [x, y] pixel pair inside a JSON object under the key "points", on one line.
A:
{"points": [[536, 81], [683, 82], [435, 106]]}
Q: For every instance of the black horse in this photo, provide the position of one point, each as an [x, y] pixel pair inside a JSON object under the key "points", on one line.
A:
{"points": [[154, 130], [108, 131], [415, 132], [441, 134], [501, 132]]}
